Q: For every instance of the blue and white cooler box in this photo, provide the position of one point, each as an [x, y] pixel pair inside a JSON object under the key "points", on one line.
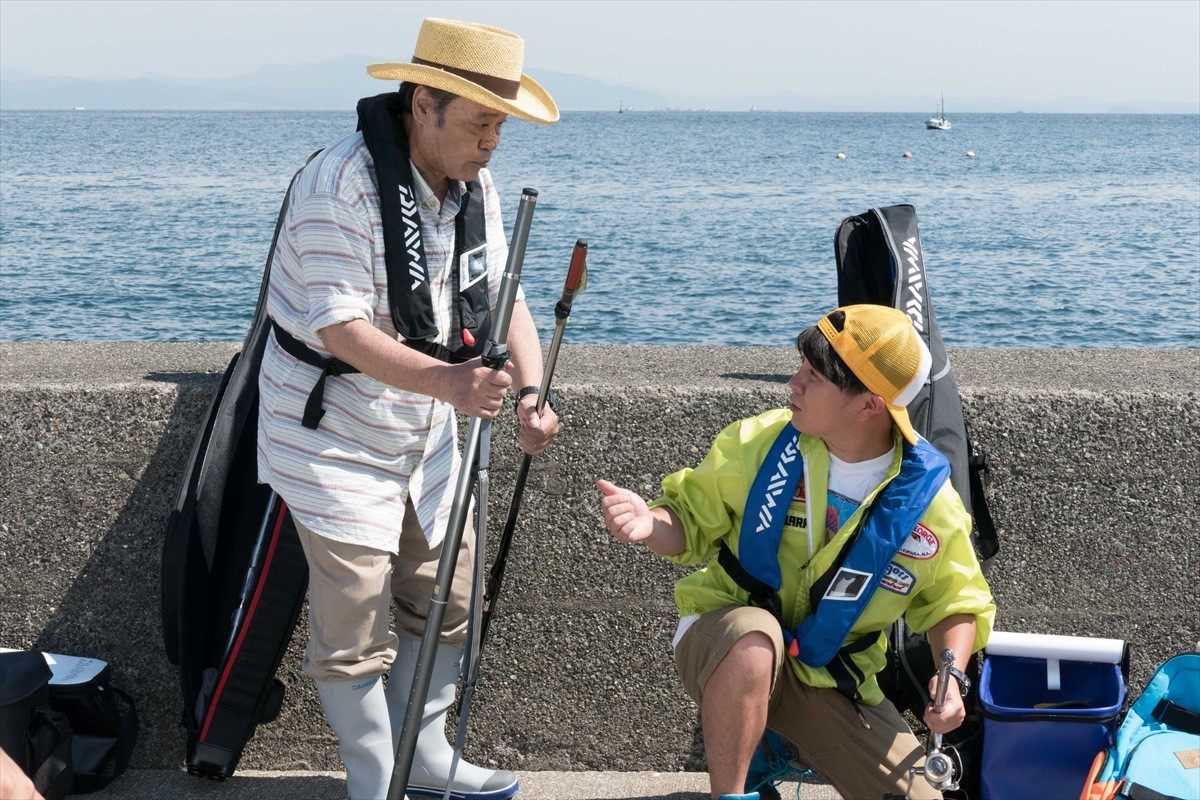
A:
{"points": [[1050, 703]]}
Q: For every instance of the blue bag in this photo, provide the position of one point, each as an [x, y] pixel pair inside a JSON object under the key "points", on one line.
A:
{"points": [[1157, 750]]}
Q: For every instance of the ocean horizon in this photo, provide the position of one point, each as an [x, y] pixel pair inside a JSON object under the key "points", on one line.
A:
{"points": [[705, 227]]}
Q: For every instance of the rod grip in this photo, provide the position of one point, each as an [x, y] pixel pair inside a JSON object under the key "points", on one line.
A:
{"points": [[576, 275]]}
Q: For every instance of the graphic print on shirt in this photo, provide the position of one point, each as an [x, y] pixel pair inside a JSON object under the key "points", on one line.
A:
{"points": [[922, 544], [838, 509]]}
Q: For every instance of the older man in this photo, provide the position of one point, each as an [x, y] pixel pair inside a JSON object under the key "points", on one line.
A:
{"points": [[822, 524], [389, 260]]}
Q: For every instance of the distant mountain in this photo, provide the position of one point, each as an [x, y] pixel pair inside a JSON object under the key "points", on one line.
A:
{"points": [[336, 85], [329, 85]]}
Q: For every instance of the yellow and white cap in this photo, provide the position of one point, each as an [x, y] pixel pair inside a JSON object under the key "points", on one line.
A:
{"points": [[882, 348]]}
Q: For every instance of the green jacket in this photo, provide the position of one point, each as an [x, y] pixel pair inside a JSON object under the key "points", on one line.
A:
{"points": [[937, 574]]}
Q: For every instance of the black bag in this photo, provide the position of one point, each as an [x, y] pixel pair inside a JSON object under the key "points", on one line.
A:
{"points": [[81, 730], [103, 719], [234, 577], [880, 260], [36, 737]]}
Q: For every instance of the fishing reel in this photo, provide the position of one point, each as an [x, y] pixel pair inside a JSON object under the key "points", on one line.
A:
{"points": [[943, 766]]}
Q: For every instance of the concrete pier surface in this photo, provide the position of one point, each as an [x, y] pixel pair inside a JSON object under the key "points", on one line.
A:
{"points": [[1095, 488]]}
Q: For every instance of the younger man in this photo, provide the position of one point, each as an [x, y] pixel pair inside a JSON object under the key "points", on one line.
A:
{"points": [[872, 531]]}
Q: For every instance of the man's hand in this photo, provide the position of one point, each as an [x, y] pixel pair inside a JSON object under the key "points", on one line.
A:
{"points": [[537, 429], [953, 711], [625, 513], [476, 390], [15, 784]]}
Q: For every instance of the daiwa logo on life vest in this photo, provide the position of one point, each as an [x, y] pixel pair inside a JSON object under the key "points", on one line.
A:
{"points": [[897, 579], [412, 235], [848, 584], [914, 305], [921, 544], [775, 487]]}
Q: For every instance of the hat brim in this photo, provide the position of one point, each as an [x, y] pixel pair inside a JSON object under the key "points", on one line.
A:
{"points": [[532, 102], [903, 422]]}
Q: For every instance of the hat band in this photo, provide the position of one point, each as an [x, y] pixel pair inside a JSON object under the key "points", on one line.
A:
{"points": [[497, 86]]}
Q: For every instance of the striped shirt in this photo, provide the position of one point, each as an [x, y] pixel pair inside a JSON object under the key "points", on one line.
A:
{"points": [[376, 445]]}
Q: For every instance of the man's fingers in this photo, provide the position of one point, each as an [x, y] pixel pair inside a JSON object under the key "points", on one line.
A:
{"points": [[499, 378]]}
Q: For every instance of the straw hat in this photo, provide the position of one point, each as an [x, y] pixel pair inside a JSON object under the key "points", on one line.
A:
{"points": [[478, 62]]}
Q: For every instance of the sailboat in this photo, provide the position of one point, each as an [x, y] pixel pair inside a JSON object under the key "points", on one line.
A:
{"points": [[938, 122], [620, 107]]}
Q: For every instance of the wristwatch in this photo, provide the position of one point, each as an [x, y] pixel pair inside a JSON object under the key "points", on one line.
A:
{"points": [[551, 400], [964, 683]]}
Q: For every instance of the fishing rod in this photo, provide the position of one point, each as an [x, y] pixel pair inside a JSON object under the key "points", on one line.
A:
{"points": [[942, 768], [575, 283], [495, 356]]}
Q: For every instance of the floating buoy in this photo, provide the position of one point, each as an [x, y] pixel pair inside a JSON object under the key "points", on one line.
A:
{"points": [[907, 154], [842, 156], [970, 154]]}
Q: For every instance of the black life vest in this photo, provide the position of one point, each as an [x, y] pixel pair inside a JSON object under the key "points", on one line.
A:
{"points": [[409, 297]]}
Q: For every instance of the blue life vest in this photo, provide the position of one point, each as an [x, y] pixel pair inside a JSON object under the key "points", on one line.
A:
{"points": [[842, 593]]}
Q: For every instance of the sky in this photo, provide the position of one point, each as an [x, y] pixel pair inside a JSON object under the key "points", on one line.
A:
{"points": [[976, 53]]}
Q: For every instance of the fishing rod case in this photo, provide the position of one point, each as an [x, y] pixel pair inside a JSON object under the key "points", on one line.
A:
{"points": [[234, 575], [880, 261]]}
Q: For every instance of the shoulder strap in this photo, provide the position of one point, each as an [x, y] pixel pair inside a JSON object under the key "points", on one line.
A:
{"points": [[852, 582], [127, 735], [987, 541], [408, 274], [761, 595], [235, 403], [409, 297], [50, 746], [1177, 717], [766, 508]]}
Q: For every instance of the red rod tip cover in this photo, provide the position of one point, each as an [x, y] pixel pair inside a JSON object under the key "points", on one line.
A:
{"points": [[578, 264]]}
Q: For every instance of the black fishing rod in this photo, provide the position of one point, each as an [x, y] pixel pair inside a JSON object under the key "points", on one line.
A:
{"points": [[495, 356], [575, 283]]}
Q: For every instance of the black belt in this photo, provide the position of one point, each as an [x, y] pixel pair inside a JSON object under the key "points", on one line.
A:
{"points": [[314, 408]]}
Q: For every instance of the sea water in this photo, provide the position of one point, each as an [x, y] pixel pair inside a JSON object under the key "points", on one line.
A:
{"points": [[704, 228]]}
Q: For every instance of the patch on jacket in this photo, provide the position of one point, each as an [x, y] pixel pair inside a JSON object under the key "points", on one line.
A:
{"points": [[847, 584], [921, 544], [897, 579]]}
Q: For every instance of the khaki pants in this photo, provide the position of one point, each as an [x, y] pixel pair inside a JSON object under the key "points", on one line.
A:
{"points": [[350, 593], [861, 764]]}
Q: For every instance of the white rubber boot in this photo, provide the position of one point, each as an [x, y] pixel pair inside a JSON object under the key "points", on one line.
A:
{"points": [[358, 713], [431, 761]]}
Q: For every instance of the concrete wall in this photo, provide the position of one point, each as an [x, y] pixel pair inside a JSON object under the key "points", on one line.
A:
{"points": [[1095, 491]]}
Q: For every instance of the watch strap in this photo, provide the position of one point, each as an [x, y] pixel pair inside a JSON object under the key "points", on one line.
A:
{"points": [[964, 683], [551, 400]]}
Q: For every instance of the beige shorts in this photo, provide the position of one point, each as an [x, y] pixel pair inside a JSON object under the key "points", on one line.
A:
{"points": [[350, 592], [821, 723]]}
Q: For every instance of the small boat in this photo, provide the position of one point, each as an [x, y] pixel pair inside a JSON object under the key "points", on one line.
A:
{"points": [[620, 107], [938, 122]]}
